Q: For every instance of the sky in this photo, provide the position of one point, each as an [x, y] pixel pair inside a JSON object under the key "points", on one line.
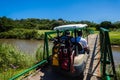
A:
{"points": [[71, 10]]}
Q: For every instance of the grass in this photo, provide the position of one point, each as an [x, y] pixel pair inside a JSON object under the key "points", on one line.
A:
{"points": [[109, 71], [43, 31], [39, 34], [115, 37], [23, 34], [39, 53], [13, 61], [118, 72], [6, 75]]}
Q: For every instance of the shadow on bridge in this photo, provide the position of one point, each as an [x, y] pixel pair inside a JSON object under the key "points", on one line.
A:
{"points": [[51, 75], [93, 62]]}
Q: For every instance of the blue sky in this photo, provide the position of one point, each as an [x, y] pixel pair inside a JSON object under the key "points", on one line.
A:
{"points": [[72, 10]]}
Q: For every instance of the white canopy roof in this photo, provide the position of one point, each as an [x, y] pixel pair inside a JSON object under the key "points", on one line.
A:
{"points": [[70, 26]]}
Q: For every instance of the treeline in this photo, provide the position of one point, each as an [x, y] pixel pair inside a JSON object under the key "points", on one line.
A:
{"points": [[47, 24], [33, 28]]}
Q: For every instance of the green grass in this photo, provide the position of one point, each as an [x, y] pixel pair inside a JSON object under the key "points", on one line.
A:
{"points": [[117, 68], [115, 37], [6, 75], [43, 31], [39, 53], [118, 72], [13, 61], [23, 34], [10, 57], [96, 32]]}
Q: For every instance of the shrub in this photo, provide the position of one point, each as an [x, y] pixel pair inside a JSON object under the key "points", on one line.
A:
{"points": [[10, 57]]}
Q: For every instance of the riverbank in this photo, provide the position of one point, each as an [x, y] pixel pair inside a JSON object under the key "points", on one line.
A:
{"points": [[21, 33], [13, 61], [38, 53], [39, 35]]}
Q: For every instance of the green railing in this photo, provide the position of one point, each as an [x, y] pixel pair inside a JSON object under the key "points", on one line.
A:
{"points": [[107, 63], [46, 53], [27, 70], [48, 36]]}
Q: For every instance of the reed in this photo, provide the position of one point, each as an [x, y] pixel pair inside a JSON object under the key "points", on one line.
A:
{"points": [[13, 61]]}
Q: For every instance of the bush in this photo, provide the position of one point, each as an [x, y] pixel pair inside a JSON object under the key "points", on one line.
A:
{"points": [[10, 57], [21, 34]]}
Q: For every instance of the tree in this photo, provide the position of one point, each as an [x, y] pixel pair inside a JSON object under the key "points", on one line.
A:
{"points": [[6, 23], [117, 24], [106, 24]]}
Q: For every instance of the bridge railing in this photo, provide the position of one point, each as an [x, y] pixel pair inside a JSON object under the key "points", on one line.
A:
{"points": [[50, 35], [107, 62], [28, 70], [46, 52]]}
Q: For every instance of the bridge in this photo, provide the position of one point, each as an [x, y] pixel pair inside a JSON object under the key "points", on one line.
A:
{"points": [[98, 62]]}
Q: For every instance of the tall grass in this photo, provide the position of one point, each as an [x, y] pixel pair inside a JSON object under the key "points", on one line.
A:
{"points": [[40, 52], [13, 61], [117, 68], [118, 72]]}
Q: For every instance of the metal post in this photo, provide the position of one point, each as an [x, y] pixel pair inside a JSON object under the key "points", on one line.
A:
{"points": [[104, 55], [111, 56]]}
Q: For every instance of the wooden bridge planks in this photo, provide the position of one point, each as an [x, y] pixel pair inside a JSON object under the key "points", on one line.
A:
{"points": [[92, 71]]}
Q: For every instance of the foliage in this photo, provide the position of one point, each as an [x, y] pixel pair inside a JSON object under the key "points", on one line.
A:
{"points": [[117, 68], [10, 57], [6, 24], [13, 61], [21, 34], [6, 75], [41, 24], [117, 24], [118, 72], [29, 28], [39, 53], [105, 24]]}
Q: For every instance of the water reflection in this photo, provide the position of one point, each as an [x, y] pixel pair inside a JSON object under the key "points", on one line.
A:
{"points": [[27, 46], [30, 47], [116, 54]]}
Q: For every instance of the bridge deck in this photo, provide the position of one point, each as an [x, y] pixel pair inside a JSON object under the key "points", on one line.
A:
{"points": [[92, 70]]}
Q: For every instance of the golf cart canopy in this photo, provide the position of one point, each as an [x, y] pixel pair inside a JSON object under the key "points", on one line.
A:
{"points": [[70, 26]]}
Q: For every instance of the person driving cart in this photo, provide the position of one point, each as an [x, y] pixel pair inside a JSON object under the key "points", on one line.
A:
{"points": [[81, 42]]}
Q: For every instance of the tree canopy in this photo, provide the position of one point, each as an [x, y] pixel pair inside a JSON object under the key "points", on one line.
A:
{"points": [[47, 24]]}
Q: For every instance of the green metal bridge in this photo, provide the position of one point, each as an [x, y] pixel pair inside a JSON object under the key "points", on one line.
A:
{"points": [[98, 63]]}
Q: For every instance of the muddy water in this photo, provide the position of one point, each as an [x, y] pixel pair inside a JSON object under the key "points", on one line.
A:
{"points": [[27, 46], [116, 54], [30, 47]]}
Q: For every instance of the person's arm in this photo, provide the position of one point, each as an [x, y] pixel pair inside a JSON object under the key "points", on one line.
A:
{"points": [[86, 48]]}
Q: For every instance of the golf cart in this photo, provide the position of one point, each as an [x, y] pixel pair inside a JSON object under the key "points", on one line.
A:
{"points": [[66, 56]]}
